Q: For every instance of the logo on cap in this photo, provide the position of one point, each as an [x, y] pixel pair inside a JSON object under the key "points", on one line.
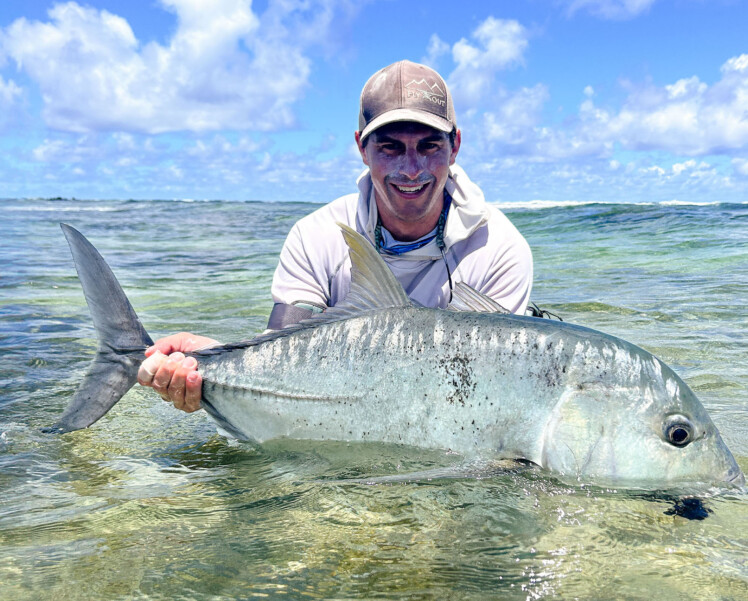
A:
{"points": [[434, 93]]}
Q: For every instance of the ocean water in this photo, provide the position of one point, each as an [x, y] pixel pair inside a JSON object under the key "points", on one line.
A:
{"points": [[151, 503]]}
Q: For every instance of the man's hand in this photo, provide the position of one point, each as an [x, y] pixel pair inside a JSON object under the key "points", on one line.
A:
{"points": [[173, 375]]}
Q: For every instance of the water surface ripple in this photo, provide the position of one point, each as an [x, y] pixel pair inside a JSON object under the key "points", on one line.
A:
{"points": [[152, 504]]}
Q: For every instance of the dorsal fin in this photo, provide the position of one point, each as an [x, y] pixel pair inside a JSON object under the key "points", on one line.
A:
{"points": [[467, 298], [373, 287]]}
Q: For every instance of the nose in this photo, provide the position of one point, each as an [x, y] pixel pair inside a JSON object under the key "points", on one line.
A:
{"points": [[411, 165]]}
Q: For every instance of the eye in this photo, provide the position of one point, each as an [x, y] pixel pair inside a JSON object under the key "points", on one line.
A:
{"points": [[678, 430], [429, 147], [390, 148]]}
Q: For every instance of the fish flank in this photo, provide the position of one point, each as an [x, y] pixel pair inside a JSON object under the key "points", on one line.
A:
{"points": [[240, 391]]}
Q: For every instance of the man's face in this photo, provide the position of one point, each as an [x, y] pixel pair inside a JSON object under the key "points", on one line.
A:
{"points": [[409, 164]]}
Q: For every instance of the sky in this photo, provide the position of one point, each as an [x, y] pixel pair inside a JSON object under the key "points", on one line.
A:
{"points": [[557, 100]]}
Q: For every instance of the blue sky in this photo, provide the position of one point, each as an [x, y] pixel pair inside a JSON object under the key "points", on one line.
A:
{"points": [[558, 100]]}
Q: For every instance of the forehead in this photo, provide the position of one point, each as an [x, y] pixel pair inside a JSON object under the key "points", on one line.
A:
{"points": [[407, 129]]}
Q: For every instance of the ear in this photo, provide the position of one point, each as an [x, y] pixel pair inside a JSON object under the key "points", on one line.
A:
{"points": [[361, 149], [456, 147]]}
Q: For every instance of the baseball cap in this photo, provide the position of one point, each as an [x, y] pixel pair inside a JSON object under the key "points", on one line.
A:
{"points": [[406, 91]]}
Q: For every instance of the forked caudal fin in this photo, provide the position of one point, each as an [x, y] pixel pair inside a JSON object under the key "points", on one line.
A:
{"points": [[122, 338]]}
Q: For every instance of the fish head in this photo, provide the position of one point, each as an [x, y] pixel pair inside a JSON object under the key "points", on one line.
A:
{"points": [[649, 433]]}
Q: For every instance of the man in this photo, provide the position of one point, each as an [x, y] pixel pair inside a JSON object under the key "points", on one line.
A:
{"points": [[429, 222]]}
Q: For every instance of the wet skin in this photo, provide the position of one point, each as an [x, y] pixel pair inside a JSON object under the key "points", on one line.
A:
{"points": [[171, 374], [409, 165]]}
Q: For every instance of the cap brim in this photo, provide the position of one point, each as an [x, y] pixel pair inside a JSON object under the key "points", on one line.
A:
{"points": [[399, 115]]}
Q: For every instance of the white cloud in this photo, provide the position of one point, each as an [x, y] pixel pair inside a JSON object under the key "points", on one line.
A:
{"points": [[436, 48], [687, 118], [500, 44], [225, 67], [517, 115], [685, 88], [10, 97], [741, 166], [514, 128], [220, 145], [213, 166], [737, 64], [680, 172], [679, 168], [9, 92], [64, 151], [49, 150], [610, 9], [691, 167]]}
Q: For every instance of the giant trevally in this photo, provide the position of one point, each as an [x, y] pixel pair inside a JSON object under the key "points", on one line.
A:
{"points": [[377, 367]]}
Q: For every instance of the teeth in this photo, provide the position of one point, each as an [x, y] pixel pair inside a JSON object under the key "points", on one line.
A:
{"points": [[410, 189]]}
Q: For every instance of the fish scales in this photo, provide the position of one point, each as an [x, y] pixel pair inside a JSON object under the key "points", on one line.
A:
{"points": [[378, 368], [421, 376]]}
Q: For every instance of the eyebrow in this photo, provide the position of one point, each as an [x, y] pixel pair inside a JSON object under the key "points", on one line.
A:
{"points": [[385, 139]]}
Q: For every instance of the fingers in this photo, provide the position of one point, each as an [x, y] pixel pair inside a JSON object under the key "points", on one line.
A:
{"points": [[177, 387], [166, 346], [149, 367], [165, 373], [183, 342], [194, 392], [174, 377]]}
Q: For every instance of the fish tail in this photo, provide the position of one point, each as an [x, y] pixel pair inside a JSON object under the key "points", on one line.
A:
{"points": [[122, 339]]}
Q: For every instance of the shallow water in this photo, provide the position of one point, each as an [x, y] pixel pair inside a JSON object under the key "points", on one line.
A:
{"points": [[153, 504]]}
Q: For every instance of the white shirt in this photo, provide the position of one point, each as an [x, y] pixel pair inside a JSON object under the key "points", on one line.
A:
{"points": [[483, 249]]}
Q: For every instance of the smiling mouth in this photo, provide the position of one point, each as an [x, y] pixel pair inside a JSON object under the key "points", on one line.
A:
{"points": [[410, 189]]}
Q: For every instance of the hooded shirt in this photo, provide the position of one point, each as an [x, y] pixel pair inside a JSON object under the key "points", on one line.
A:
{"points": [[482, 249]]}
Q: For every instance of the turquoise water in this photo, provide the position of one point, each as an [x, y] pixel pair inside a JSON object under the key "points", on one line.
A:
{"points": [[153, 504]]}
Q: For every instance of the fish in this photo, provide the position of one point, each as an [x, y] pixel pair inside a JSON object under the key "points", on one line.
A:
{"points": [[472, 380]]}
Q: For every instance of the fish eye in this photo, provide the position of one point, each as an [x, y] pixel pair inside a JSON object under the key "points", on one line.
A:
{"points": [[678, 431]]}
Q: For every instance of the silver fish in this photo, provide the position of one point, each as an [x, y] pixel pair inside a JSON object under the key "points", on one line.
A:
{"points": [[486, 385]]}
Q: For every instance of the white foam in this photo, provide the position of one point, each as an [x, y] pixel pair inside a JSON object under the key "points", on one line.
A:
{"points": [[76, 209], [554, 204], [543, 204], [686, 203]]}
